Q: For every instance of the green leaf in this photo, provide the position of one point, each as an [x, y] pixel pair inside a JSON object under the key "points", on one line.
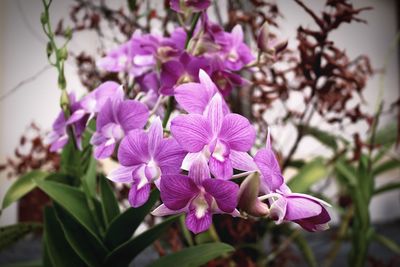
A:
{"points": [[387, 242], [122, 227], [386, 136], [108, 200], [324, 137], [387, 187], [89, 248], [385, 166], [309, 174], [194, 256], [305, 250], [71, 162], [90, 177], [71, 199], [59, 251], [347, 171], [12, 233], [125, 253], [22, 186]]}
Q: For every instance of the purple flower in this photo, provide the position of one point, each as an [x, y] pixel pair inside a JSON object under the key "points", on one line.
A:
{"points": [[137, 56], [95, 100], [235, 53], [184, 70], [116, 119], [271, 176], [144, 156], [195, 5], [215, 138], [307, 211], [198, 196], [195, 97], [58, 137]]}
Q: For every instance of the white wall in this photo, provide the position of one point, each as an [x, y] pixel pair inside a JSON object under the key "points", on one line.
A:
{"points": [[22, 54]]}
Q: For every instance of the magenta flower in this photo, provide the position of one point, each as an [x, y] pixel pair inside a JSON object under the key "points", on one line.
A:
{"points": [[199, 197], [195, 5], [235, 53], [195, 97], [116, 119], [58, 137], [215, 138], [307, 211], [271, 176], [95, 100], [184, 70], [144, 157]]}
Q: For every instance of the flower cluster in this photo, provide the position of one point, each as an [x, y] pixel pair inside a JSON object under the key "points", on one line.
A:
{"points": [[193, 163]]}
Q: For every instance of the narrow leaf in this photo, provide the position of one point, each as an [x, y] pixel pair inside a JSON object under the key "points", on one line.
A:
{"points": [[386, 188], [22, 186], [90, 176], [347, 171], [387, 242], [194, 256], [85, 244], [71, 199], [59, 250], [108, 200], [322, 136], [122, 227], [386, 166], [309, 174], [124, 254]]}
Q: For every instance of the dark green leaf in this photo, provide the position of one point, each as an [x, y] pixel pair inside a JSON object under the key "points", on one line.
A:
{"points": [[125, 253], [387, 242], [309, 174], [108, 200], [12, 233], [194, 256], [387, 187], [90, 177], [122, 227], [385, 166], [132, 5], [71, 162], [59, 251], [71, 199], [324, 137], [22, 186], [86, 245]]}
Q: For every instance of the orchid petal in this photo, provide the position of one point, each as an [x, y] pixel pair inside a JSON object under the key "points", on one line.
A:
{"points": [[198, 225], [242, 161], [133, 149], [177, 190], [192, 131], [221, 169], [224, 192], [237, 131], [138, 196], [132, 114], [121, 174], [155, 135]]}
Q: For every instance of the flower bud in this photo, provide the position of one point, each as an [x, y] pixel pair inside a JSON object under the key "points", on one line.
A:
{"points": [[248, 197], [262, 39]]}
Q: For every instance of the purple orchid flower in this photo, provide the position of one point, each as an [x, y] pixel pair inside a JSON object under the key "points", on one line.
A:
{"points": [[235, 53], [195, 97], [195, 5], [271, 175], [95, 100], [198, 196], [58, 137], [218, 141], [307, 211], [116, 119], [137, 56], [144, 157], [184, 70]]}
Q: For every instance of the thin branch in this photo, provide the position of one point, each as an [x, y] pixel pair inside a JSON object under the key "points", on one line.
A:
{"points": [[24, 82]]}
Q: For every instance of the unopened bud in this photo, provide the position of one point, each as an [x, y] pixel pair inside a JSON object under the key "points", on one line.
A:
{"points": [[248, 197], [281, 46], [262, 39]]}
